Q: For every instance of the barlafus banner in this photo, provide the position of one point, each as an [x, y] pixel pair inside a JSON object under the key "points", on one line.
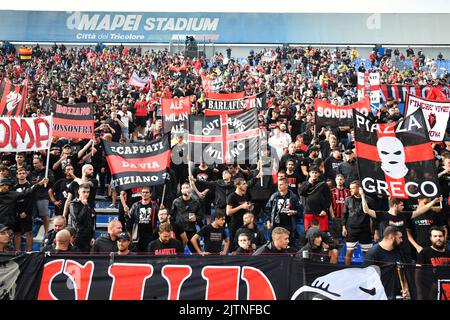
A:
{"points": [[137, 164], [13, 98], [435, 112], [175, 114], [70, 120], [225, 138], [396, 159], [25, 134], [270, 277], [233, 103], [334, 116]]}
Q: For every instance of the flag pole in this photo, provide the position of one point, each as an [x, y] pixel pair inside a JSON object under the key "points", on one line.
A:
{"points": [[50, 138]]}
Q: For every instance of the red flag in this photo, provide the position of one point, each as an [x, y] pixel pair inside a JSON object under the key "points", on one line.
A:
{"points": [[436, 94], [13, 98]]}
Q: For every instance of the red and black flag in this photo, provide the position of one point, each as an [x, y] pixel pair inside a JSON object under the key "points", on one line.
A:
{"points": [[175, 114], [224, 138], [177, 72], [70, 120], [396, 159], [331, 115], [13, 98], [135, 165], [399, 92]]}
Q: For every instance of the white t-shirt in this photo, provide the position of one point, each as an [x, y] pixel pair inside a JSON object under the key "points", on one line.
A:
{"points": [[125, 118]]}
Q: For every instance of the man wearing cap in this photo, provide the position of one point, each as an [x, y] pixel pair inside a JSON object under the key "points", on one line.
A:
{"points": [[349, 168], [123, 244], [4, 239]]}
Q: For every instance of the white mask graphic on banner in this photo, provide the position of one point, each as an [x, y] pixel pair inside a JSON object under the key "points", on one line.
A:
{"points": [[346, 284], [392, 155]]}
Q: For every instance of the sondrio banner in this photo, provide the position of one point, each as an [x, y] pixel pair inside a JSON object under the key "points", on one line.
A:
{"points": [[435, 112], [135, 165], [328, 114], [25, 134], [71, 120], [175, 113], [396, 159]]}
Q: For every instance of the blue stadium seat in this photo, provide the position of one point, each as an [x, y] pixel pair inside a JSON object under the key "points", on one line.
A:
{"points": [[358, 256]]}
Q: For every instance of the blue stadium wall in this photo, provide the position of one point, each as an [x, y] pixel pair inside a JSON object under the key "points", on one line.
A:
{"points": [[245, 28]]}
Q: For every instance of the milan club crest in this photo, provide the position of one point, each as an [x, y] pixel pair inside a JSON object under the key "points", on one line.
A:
{"points": [[432, 120], [12, 100]]}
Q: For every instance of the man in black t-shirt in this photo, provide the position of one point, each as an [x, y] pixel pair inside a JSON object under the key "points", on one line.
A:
{"points": [[142, 220], [165, 244], [387, 252], [418, 229], [24, 214], [397, 217], [428, 259], [237, 204], [213, 235], [177, 230], [60, 190], [87, 177]]}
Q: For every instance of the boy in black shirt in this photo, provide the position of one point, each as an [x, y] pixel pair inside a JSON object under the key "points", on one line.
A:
{"points": [[213, 235]]}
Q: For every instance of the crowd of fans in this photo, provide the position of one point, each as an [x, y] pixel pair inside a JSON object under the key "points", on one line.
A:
{"points": [[316, 178]]}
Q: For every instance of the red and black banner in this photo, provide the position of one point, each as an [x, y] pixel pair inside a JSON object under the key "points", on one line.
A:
{"points": [[225, 138], [396, 159], [135, 165], [38, 276], [177, 72], [13, 98], [399, 92], [175, 114], [328, 114], [70, 120]]}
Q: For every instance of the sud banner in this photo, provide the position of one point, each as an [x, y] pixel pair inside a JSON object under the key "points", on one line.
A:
{"points": [[13, 98], [396, 159], [71, 120], [25, 134], [38, 276], [224, 138], [435, 112], [334, 116], [175, 113], [135, 165]]}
